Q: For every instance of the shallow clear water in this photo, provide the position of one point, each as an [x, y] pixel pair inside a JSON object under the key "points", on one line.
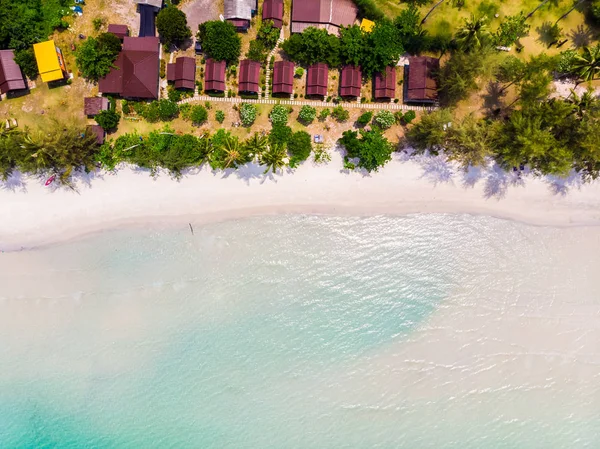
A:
{"points": [[298, 331]]}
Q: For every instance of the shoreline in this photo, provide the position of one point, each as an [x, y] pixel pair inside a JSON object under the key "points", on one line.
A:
{"points": [[39, 217]]}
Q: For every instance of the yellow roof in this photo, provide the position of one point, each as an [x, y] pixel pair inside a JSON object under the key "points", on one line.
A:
{"points": [[47, 61], [367, 25]]}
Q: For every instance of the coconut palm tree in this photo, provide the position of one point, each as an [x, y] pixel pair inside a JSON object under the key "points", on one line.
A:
{"points": [[474, 34], [256, 145], [273, 158], [234, 153], [587, 64]]}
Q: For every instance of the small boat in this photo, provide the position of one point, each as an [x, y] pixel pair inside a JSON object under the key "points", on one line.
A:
{"points": [[50, 180]]}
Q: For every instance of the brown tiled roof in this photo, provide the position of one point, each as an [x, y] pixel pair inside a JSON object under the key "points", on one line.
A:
{"points": [[273, 10], [11, 77], [214, 76], [385, 83], [316, 79], [332, 13], [421, 85], [136, 69], [121, 31], [249, 76], [350, 81], [93, 105], [99, 131], [240, 24], [283, 77], [182, 72]]}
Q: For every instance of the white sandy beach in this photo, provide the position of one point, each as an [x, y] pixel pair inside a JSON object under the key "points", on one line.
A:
{"points": [[33, 215]]}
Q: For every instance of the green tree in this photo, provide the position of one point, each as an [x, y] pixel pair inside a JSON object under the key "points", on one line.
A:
{"points": [[469, 142], [510, 71], [257, 51], [256, 144], [411, 33], [429, 133], [364, 118], [587, 65], [229, 153], [95, 56], [108, 119], [511, 30], [268, 34], [457, 77], [352, 45], [384, 48], [219, 116], [324, 114], [198, 114], [312, 46], [384, 119], [279, 115], [340, 114], [171, 24], [371, 149], [299, 147], [474, 34], [248, 114], [273, 158], [26, 60], [307, 114], [220, 41], [280, 135]]}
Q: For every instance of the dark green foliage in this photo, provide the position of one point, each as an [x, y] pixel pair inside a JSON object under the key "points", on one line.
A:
{"points": [[352, 45], [198, 114], [384, 47], [220, 41], [268, 34], [257, 51], [95, 56], [299, 147], [307, 114], [324, 114], [409, 117], [457, 77], [280, 135], [365, 118], [312, 46], [171, 24], [410, 32], [369, 9], [511, 29], [371, 149], [26, 60], [98, 22], [163, 110], [108, 119], [429, 133], [219, 116], [340, 114]]}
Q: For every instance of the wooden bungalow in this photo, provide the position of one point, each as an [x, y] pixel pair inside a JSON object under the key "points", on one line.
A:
{"points": [[350, 81], [240, 13], [214, 76], [283, 77], [325, 14], [420, 85], [92, 106], [385, 84], [316, 80], [273, 10], [121, 31], [182, 73], [249, 76], [11, 77]]}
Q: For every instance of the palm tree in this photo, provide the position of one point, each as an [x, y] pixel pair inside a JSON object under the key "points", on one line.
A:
{"points": [[234, 153], [273, 158], [586, 102], [256, 145], [587, 65], [474, 34]]}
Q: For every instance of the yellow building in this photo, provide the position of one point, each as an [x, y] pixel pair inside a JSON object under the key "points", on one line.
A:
{"points": [[50, 62], [367, 25]]}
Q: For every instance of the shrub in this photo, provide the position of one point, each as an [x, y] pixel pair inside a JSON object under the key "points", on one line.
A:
{"points": [[365, 118], [295, 95], [163, 68], [98, 22], [384, 119], [307, 114], [299, 72], [340, 114], [248, 113], [299, 147], [126, 107], [108, 119], [279, 115], [268, 34], [409, 117], [185, 110], [280, 134], [207, 105], [324, 114], [173, 94], [398, 116], [163, 110], [198, 114], [220, 116]]}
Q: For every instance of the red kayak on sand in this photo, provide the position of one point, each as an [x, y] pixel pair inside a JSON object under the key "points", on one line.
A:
{"points": [[50, 180]]}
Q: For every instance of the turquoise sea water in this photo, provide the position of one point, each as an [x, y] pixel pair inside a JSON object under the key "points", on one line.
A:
{"points": [[300, 331]]}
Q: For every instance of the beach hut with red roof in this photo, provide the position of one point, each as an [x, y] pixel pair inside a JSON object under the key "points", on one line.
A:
{"points": [[316, 79], [214, 76], [92, 106], [283, 77], [136, 69], [249, 76], [420, 85], [182, 73], [11, 77], [273, 10], [385, 84], [121, 31], [350, 81]]}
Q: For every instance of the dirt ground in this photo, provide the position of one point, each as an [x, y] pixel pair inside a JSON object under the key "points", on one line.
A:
{"points": [[199, 11]]}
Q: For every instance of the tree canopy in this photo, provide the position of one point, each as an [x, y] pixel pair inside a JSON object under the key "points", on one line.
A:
{"points": [[371, 148], [95, 56], [220, 41], [171, 24]]}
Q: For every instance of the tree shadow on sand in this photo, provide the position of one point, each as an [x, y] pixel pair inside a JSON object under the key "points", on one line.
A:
{"points": [[581, 36], [562, 186], [436, 169], [493, 102], [14, 183], [499, 180]]}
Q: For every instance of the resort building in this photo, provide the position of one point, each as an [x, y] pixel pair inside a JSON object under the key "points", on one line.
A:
{"points": [[50, 61], [214, 76], [121, 31], [350, 81], [249, 76], [326, 14], [240, 12], [273, 10], [316, 80], [385, 84], [182, 73], [419, 82], [136, 69], [92, 106], [11, 77], [283, 77]]}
